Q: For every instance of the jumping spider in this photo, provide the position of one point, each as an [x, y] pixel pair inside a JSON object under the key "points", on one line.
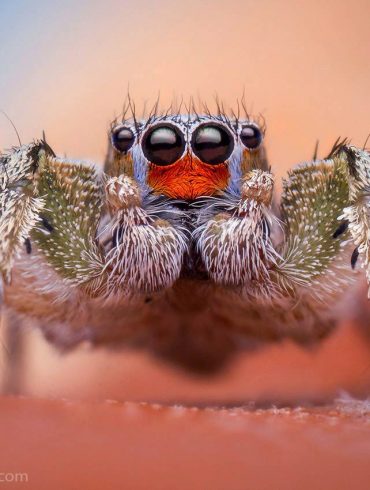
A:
{"points": [[179, 246]]}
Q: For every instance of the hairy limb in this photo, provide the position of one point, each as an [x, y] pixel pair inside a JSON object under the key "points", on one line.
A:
{"points": [[276, 284], [320, 201], [69, 222], [19, 206], [147, 249], [357, 214], [144, 252], [235, 243], [59, 205], [311, 203]]}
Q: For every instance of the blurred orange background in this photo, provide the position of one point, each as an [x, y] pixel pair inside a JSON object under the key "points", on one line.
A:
{"points": [[66, 68]]}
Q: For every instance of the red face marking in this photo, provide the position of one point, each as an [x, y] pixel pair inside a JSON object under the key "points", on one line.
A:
{"points": [[188, 178]]}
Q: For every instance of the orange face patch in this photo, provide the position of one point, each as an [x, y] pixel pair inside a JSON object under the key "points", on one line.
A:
{"points": [[188, 178]]}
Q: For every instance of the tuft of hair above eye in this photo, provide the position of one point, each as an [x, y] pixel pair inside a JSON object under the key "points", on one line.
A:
{"points": [[122, 138], [251, 136]]}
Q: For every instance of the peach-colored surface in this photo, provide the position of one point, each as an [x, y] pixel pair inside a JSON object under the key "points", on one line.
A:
{"points": [[62, 445]]}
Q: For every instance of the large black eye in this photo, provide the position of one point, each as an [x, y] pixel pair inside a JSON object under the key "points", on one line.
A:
{"points": [[163, 145], [212, 143], [122, 139], [251, 136]]}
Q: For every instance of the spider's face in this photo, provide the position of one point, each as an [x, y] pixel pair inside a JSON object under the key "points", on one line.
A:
{"points": [[187, 157]]}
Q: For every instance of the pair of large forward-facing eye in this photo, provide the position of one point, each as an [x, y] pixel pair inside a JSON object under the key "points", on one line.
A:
{"points": [[211, 143], [164, 144]]}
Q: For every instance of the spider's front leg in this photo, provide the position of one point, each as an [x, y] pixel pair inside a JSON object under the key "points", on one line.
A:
{"points": [[235, 244], [57, 205], [147, 250], [325, 204], [357, 214], [19, 203]]}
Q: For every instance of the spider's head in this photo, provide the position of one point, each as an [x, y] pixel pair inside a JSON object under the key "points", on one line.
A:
{"points": [[188, 156]]}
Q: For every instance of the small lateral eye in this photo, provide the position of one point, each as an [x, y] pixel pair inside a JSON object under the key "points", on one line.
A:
{"points": [[122, 139], [251, 136], [212, 143], [163, 145]]}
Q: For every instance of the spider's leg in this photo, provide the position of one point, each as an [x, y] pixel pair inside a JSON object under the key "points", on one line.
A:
{"points": [[64, 231], [20, 204], [287, 288], [146, 252], [148, 239], [357, 213], [235, 244], [66, 234], [323, 204]]}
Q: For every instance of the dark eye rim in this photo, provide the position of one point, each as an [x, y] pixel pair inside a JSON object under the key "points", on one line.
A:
{"points": [[116, 130], [217, 125], [163, 124], [255, 126]]}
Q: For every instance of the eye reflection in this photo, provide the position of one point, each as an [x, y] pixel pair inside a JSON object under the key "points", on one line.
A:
{"points": [[163, 145], [122, 139], [251, 136], [212, 143]]}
